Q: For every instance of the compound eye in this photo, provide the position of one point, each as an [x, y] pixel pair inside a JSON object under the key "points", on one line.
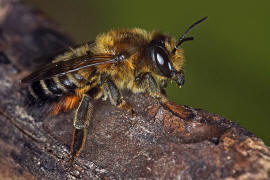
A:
{"points": [[161, 58]]}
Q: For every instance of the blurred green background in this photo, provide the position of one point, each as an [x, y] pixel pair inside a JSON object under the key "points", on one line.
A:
{"points": [[227, 65]]}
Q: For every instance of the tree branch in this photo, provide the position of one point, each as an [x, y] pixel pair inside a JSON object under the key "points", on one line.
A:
{"points": [[165, 141]]}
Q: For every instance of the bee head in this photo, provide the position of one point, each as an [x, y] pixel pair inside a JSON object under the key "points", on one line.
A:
{"points": [[167, 58]]}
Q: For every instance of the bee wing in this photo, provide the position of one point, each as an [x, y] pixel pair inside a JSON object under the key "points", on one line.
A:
{"points": [[71, 65], [47, 58]]}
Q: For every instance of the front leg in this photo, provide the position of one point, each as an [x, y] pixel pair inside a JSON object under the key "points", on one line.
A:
{"points": [[116, 98], [147, 82]]}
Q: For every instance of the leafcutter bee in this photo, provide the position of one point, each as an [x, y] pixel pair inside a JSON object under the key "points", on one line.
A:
{"points": [[131, 59]]}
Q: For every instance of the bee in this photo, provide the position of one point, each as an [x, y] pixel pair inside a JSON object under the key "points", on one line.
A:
{"points": [[131, 59]]}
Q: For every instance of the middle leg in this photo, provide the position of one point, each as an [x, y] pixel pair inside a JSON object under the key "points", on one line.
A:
{"points": [[116, 98]]}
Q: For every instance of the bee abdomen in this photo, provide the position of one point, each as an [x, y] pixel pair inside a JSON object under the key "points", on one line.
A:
{"points": [[44, 89], [55, 87]]}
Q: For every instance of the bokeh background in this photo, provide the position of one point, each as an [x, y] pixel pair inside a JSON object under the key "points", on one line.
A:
{"points": [[227, 65]]}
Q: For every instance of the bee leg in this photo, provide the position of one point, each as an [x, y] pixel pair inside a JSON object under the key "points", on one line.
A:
{"points": [[146, 81], [163, 85], [115, 96], [81, 122]]}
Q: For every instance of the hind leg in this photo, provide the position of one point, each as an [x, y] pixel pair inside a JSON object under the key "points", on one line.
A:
{"points": [[81, 122]]}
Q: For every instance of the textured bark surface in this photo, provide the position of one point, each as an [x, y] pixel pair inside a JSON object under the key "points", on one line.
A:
{"points": [[180, 143]]}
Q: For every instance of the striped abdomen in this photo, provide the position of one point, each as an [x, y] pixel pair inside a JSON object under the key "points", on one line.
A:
{"points": [[56, 86]]}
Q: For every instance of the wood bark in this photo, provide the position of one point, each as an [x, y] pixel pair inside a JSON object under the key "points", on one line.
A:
{"points": [[163, 141]]}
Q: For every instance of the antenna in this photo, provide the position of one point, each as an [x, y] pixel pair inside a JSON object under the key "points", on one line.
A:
{"points": [[183, 37]]}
